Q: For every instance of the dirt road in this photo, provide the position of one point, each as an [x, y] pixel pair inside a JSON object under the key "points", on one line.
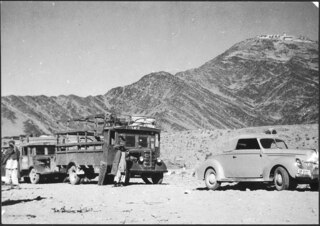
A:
{"points": [[181, 199]]}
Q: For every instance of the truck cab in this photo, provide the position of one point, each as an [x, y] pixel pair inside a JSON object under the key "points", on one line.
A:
{"points": [[143, 151]]}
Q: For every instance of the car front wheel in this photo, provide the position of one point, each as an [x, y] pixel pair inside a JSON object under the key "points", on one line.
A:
{"points": [[210, 179], [282, 180]]}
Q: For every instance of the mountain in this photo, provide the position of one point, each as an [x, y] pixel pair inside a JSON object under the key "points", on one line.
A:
{"points": [[256, 82]]}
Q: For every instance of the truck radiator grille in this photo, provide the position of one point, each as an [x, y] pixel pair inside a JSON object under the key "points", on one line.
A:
{"points": [[149, 159]]}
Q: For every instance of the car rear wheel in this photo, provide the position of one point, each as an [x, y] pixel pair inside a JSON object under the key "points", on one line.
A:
{"points": [[282, 180], [34, 176], [210, 179], [73, 177]]}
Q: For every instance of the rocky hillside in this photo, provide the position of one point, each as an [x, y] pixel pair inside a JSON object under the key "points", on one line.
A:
{"points": [[254, 83]]}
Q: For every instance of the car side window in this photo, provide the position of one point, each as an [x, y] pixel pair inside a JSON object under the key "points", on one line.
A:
{"points": [[251, 143]]}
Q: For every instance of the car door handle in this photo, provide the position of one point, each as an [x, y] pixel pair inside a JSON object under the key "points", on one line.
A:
{"points": [[234, 157]]}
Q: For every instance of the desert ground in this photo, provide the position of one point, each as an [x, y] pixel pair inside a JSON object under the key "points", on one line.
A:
{"points": [[180, 199]]}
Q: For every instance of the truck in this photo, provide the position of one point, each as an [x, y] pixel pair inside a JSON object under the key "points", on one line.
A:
{"points": [[85, 154], [37, 157]]}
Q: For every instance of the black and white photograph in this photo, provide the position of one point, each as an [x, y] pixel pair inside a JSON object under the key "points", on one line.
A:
{"points": [[159, 112]]}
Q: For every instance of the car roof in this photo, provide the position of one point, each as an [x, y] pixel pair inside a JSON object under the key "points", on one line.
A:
{"points": [[232, 141]]}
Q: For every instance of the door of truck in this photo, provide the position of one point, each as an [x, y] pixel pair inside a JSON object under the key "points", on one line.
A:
{"points": [[25, 158]]}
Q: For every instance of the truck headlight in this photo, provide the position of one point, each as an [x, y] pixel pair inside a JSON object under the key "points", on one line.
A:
{"points": [[298, 163], [158, 161], [314, 157], [140, 159]]}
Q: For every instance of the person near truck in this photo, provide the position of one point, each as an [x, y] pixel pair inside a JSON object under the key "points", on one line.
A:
{"points": [[119, 163], [11, 161]]}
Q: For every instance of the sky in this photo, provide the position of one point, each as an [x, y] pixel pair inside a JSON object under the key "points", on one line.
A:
{"points": [[87, 48]]}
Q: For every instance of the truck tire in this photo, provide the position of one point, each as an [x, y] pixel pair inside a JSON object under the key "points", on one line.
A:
{"points": [[210, 179], [127, 177], [314, 186], [282, 180], [102, 173], [146, 180], [34, 176], [73, 177], [157, 178]]}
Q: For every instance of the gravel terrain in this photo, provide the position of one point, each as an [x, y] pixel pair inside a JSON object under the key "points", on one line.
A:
{"points": [[181, 199]]}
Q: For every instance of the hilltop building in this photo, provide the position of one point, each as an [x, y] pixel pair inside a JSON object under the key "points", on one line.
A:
{"points": [[284, 37]]}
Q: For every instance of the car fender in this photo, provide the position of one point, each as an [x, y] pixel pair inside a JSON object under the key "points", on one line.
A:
{"points": [[288, 163], [210, 163]]}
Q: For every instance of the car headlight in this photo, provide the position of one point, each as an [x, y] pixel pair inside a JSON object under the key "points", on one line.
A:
{"points": [[298, 163]]}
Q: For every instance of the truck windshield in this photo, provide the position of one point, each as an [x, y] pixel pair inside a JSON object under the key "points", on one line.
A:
{"points": [[130, 141], [269, 143], [143, 141]]}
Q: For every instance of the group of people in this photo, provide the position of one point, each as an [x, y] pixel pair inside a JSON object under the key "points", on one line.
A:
{"points": [[10, 159]]}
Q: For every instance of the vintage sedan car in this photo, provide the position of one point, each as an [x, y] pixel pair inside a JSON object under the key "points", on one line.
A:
{"points": [[261, 158]]}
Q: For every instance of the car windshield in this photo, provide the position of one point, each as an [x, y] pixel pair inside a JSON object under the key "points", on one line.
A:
{"points": [[269, 143]]}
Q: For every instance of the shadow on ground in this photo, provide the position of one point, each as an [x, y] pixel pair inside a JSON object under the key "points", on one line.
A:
{"points": [[251, 187], [13, 202]]}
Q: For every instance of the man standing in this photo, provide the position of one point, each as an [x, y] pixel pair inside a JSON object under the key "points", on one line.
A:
{"points": [[12, 164], [119, 163]]}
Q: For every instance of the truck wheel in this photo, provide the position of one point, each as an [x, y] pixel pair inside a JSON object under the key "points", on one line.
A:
{"points": [[145, 179], [314, 186], [34, 176], [127, 177], [157, 178], [210, 179], [73, 177], [102, 173], [282, 180]]}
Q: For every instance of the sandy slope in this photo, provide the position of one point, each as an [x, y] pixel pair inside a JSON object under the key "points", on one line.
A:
{"points": [[180, 199]]}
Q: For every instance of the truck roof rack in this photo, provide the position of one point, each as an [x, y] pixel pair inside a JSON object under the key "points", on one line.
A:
{"points": [[113, 120]]}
